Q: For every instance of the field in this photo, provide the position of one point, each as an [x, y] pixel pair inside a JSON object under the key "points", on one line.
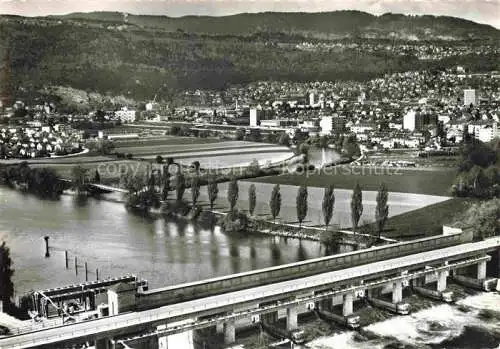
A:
{"points": [[399, 203], [209, 152], [417, 181], [164, 140], [212, 155]]}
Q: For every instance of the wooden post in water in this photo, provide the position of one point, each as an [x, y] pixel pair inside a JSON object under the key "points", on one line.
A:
{"points": [[86, 272], [47, 254], [76, 266], [97, 274], [66, 259]]}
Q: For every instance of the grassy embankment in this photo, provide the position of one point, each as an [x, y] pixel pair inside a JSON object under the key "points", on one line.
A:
{"points": [[421, 222]]}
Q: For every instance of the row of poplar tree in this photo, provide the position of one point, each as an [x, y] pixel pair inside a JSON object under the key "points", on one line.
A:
{"points": [[381, 211]]}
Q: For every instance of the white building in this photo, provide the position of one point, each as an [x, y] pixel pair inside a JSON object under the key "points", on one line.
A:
{"points": [[363, 127], [152, 106], [312, 101], [470, 97], [409, 120], [254, 117], [326, 125], [483, 131], [125, 115]]}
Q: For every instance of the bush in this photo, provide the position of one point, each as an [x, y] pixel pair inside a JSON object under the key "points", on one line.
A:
{"points": [[234, 222]]}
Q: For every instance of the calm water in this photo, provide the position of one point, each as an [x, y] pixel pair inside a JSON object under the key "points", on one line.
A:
{"points": [[109, 238]]}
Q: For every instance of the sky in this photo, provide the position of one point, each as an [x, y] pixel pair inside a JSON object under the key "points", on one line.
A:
{"points": [[482, 11]]}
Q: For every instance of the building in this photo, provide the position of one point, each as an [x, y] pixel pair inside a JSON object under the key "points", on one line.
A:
{"points": [[484, 131], [414, 121], [326, 125], [329, 124], [470, 97], [257, 114], [125, 115], [409, 120], [312, 101], [254, 117], [363, 127]]}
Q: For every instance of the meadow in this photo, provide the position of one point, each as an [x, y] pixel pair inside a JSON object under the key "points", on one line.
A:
{"points": [[417, 181]]}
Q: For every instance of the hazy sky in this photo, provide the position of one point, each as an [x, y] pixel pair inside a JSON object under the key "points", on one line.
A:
{"points": [[483, 11]]}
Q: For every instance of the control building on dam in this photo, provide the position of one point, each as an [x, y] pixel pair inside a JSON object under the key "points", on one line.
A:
{"points": [[123, 312]]}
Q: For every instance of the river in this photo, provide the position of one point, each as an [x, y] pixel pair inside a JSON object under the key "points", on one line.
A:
{"points": [[472, 323], [107, 237]]}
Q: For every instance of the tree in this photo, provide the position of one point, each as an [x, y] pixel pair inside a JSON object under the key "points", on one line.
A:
{"points": [[483, 218], [180, 186], [304, 150], [6, 273], [232, 194], [213, 191], [351, 147], [328, 203], [97, 177], [254, 167], [159, 159], [240, 134], [382, 210], [78, 179], [323, 142], [356, 206], [195, 165], [285, 140], [195, 189], [252, 199], [301, 204], [165, 183], [275, 202]]}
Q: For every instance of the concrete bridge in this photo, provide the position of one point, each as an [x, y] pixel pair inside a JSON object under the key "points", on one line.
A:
{"points": [[466, 263]]}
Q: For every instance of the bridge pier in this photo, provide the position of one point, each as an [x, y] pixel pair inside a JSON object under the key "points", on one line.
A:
{"points": [[291, 318], [441, 280], [323, 304], [270, 318], [397, 292], [479, 281], [104, 343], [481, 270], [347, 308], [162, 342], [219, 328], [229, 331]]}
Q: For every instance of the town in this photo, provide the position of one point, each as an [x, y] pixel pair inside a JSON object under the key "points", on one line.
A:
{"points": [[414, 110], [254, 181]]}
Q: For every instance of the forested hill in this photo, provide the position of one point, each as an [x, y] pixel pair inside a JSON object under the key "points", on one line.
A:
{"points": [[321, 24], [135, 56]]}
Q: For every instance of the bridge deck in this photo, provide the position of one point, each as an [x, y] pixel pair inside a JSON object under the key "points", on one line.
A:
{"points": [[191, 309]]}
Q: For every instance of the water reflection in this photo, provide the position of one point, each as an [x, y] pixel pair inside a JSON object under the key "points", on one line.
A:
{"points": [[301, 252], [214, 252], [275, 253], [108, 237]]}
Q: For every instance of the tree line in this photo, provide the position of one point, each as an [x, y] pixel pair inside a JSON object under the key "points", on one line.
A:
{"points": [[479, 169], [275, 201], [42, 182]]}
